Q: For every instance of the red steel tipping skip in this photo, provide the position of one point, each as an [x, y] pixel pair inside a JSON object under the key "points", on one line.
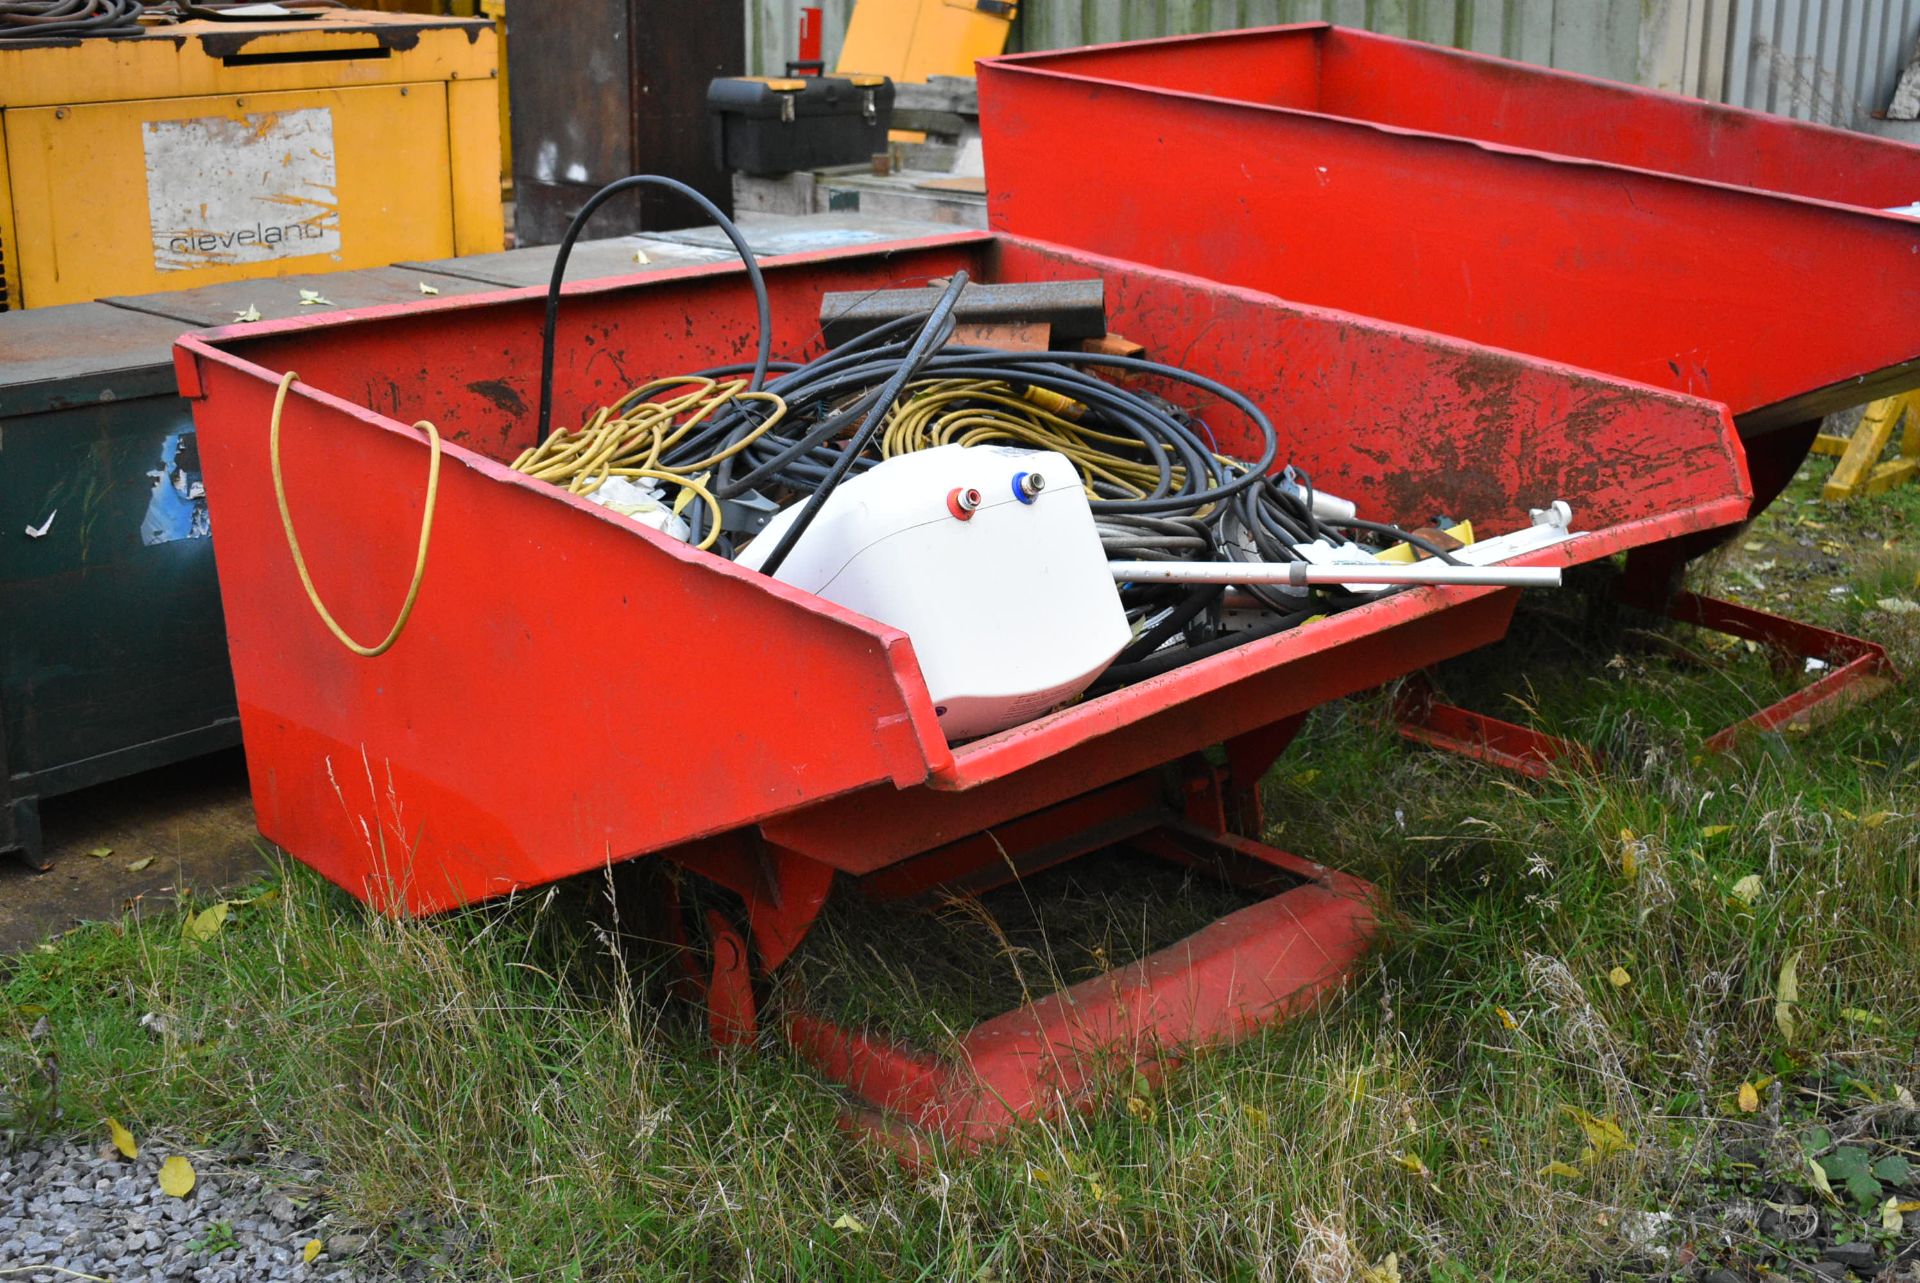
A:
{"points": [[573, 690], [1709, 249]]}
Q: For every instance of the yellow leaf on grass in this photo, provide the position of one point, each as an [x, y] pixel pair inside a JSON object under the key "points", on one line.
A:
{"points": [[1388, 1271], [1413, 1163], [1890, 1217], [123, 1139], [1603, 1134], [1715, 830], [1749, 1098], [1629, 855], [1861, 1017], [1877, 819], [850, 1223], [176, 1177], [1747, 889], [1557, 1168], [1819, 1174], [1255, 1115], [1507, 1022], [1786, 995], [1906, 1205], [313, 1248], [1619, 978], [205, 925]]}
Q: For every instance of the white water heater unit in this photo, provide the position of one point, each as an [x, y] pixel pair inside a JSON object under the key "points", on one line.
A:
{"points": [[987, 558]]}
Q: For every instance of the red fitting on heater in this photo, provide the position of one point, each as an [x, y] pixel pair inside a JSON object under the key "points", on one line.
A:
{"points": [[963, 502]]}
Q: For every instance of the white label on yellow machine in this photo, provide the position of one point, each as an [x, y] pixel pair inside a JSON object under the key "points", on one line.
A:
{"points": [[241, 189]]}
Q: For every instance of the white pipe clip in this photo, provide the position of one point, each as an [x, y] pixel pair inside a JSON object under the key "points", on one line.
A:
{"points": [[1301, 574]]}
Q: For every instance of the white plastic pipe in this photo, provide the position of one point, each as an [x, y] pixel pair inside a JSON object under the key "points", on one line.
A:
{"points": [[1300, 574]]}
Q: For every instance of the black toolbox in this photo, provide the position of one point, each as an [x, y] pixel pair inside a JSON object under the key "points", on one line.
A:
{"points": [[779, 124]]}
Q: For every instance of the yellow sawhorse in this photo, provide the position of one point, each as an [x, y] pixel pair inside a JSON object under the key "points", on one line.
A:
{"points": [[1860, 470]]}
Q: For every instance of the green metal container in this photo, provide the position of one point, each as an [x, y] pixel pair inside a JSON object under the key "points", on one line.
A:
{"points": [[113, 652], [113, 656]]}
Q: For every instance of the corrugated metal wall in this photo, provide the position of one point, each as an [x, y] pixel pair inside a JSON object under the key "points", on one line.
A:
{"points": [[1834, 61]]}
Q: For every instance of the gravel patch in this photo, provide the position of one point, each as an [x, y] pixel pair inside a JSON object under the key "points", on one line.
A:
{"points": [[83, 1210]]}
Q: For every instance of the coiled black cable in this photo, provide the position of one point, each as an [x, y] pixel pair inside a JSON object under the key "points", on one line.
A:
{"points": [[550, 326], [936, 330], [1172, 494]]}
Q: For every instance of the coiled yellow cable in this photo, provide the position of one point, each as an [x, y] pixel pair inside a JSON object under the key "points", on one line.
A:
{"points": [[940, 412], [628, 438]]}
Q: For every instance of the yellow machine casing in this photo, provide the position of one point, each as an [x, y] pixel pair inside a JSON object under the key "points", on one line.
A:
{"points": [[218, 151], [911, 40]]}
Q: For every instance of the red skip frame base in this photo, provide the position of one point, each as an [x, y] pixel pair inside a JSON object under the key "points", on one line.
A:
{"points": [[1250, 969], [1860, 670]]}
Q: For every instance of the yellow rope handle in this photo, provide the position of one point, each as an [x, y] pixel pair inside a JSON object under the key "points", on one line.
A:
{"points": [[293, 542]]}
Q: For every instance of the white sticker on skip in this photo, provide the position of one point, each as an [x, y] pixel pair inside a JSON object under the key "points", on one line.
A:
{"points": [[223, 190]]}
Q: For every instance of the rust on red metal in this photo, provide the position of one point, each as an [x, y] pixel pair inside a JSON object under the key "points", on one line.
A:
{"points": [[573, 690]]}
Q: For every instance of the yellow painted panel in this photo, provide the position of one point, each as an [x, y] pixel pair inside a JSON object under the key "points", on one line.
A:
{"points": [[497, 10], [9, 253], [1404, 551], [473, 127], [196, 59], [135, 197], [914, 39]]}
